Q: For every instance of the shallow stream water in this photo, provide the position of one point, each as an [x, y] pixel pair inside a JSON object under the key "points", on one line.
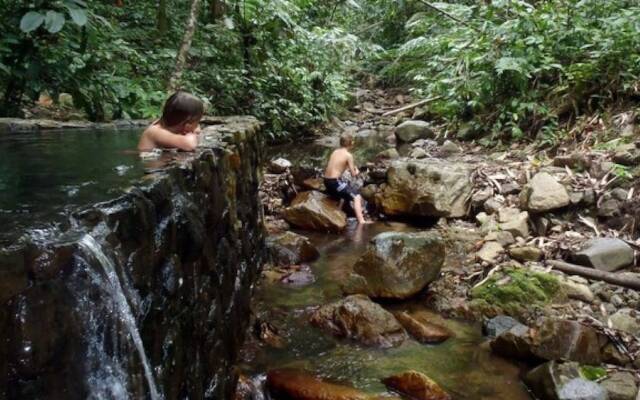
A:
{"points": [[463, 365]]}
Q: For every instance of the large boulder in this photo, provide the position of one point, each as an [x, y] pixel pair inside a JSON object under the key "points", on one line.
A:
{"points": [[358, 318], [426, 188], [397, 265], [543, 193], [315, 211], [562, 381], [569, 340], [411, 131], [290, 248], [416, 385], [605, 254], [300, 385]]}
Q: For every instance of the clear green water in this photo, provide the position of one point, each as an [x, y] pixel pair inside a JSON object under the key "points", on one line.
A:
{"points": [[463, 365], [45, 176]]}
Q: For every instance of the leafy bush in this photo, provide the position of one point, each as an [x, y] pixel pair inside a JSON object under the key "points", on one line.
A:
{"points": [[517, 68]]}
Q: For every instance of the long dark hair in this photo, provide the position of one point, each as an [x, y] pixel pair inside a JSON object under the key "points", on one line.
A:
{"points": [[181, 108]]}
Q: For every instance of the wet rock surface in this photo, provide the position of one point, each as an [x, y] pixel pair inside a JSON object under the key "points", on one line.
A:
{"points": [[185, 245], [416, 385], [397, 265], [315, 211], [291, 248], [299, 385], [422, 331], [358, 318]]}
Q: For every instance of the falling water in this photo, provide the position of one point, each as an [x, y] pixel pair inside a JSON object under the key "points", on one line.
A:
{"points": [[91, 246]]}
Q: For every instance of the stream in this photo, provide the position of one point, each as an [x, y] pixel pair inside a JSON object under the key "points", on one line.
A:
{"points": [[463, 365]]}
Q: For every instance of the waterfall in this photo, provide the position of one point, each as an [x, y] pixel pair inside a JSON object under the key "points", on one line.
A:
{"points": [[114, 288]]}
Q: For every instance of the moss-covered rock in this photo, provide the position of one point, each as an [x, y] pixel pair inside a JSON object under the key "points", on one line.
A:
{"points": [[515, 289]]}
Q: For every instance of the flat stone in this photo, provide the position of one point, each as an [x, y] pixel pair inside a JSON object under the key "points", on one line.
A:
{"points": [[505, 238], [449, 148], [416, 386], [422, 331], [490, 252], [495, 326], [526, 253], [514, 221], [576, 291], [627, 320], [410, 131], [543, 193], [388, 154], [357, 318], [418, 153], [605, 254], [397, 265], [621, 386]]}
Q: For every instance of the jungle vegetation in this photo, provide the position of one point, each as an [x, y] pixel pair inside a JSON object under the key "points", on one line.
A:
{"points": [[509, 69]]}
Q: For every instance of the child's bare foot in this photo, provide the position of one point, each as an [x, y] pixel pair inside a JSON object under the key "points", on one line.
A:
{"points": [[365, 222]]}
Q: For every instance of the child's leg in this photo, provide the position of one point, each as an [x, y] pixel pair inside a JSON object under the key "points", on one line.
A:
{"points": [[357, 207]]}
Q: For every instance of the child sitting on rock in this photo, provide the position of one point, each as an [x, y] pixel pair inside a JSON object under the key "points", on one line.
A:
{"points": [[340, 160], [179, 126]]}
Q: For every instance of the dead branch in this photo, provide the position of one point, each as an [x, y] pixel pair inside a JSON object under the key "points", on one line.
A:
{"points": [[411, 106], [591, 273]]}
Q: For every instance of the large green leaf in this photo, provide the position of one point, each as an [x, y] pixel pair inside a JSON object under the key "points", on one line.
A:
{"points": [[31, 21], [54, 21], [78, 15]]}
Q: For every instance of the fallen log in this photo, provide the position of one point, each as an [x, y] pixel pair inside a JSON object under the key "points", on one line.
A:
{"points": [[411, 106], [591, 273]]}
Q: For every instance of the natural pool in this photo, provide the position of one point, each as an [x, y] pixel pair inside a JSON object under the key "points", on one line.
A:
{"points": [[44, 176], [463, 365]]}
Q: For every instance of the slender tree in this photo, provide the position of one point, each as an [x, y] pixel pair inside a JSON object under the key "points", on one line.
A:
{"points": [[181, 60]]}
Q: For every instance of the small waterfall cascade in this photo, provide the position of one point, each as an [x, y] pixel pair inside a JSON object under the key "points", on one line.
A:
{"points": [[125, 314]]}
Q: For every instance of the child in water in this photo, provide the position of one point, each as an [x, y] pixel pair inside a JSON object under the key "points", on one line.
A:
{"points": [[340, 160], [179, 126]]}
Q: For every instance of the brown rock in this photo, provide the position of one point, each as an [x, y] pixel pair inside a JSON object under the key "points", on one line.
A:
{"points": [[424, 332], [290, 248], [358, 318], [292, 384], [525, 253], [315, 211], [568, 340], [416, 385]]}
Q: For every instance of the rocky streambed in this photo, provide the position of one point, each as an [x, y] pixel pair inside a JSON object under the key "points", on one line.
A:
{"points": [[539, 247]]}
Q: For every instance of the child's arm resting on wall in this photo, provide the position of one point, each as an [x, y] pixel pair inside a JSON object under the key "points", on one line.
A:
{"points": [[166, 139]]}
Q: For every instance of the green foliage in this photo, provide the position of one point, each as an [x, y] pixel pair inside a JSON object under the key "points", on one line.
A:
{"points": [[520, 68], [592, 373], [281, 60]]}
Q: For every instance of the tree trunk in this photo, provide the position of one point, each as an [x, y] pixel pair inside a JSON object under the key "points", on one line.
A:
{"points": [[181, 61], [163, 22], [217, 9]]}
